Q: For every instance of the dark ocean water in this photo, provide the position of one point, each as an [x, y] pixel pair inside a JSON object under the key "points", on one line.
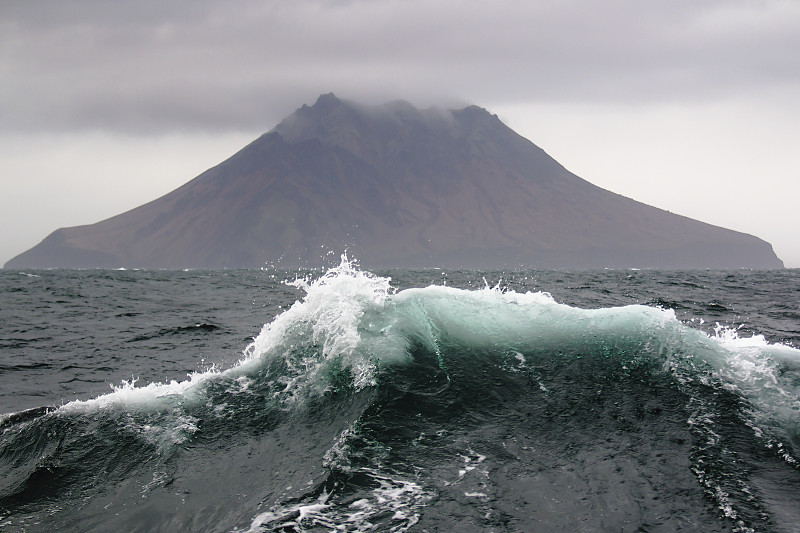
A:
{"points": [[432, 401]]}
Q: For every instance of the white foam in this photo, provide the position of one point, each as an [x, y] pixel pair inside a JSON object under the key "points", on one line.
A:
{"points": [[330, 317], [128, 394], [765, 374], [400, 498]]}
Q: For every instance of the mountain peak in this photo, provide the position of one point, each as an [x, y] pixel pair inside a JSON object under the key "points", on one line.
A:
{"points": [[377, 133], [326, 102], [325, 105]]}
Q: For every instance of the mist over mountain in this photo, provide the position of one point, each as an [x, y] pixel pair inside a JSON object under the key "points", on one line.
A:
{"points": [[396, 186]]}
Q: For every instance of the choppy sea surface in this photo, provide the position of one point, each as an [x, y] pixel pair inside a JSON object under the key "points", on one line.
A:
{"points": [[427, 400]]}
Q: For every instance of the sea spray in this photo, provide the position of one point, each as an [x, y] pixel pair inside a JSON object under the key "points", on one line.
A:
{"points": [[322, 334]]}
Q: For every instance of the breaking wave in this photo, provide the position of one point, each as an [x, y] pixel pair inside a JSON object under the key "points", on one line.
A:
{"points": [[361, 407]]}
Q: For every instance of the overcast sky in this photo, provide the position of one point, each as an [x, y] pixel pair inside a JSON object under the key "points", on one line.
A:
{"points": [[689, 105]]}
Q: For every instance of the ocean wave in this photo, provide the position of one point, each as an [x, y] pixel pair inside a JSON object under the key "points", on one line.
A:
{"points": [[356, 370]]}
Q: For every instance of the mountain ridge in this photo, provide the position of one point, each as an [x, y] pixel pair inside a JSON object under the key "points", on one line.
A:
{"points": [[398, 187]]}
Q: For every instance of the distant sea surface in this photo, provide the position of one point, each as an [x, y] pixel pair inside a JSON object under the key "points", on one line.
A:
{"points": [[425, 400]]}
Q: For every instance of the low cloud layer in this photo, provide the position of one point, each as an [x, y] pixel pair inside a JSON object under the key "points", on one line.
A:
{"points": [[154, 67]]}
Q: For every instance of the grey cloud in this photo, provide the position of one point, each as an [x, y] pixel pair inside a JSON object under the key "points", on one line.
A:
{"points": [[164, 66]]}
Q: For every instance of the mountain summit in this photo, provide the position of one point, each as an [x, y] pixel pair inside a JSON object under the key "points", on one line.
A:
{"points": [[397, 186]]}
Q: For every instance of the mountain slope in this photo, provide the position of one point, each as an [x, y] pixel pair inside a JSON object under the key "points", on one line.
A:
{"points": [[398, 187]]}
